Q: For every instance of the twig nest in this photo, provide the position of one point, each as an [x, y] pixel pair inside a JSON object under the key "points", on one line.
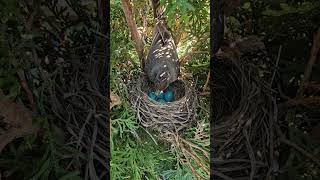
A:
{"points": [[244, 119], [161, 115]]}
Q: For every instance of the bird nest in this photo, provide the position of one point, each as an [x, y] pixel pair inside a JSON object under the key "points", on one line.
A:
{"points": [[244, 118], [170, 116]]}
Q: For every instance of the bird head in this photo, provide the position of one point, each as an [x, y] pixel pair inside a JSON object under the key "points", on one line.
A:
{"points": [[163, 79]]}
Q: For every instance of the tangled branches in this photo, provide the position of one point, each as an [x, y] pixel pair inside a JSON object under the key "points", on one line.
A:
{"points": [[82, 108]]}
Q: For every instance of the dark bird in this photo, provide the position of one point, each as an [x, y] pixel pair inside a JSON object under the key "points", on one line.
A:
{"points": [[162, 65]]}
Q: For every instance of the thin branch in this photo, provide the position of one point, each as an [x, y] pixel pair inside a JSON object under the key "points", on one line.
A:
{"points": [[277, 63], [207, 82], [312, 87], [295, 146], [301, 150], [25, 86]]}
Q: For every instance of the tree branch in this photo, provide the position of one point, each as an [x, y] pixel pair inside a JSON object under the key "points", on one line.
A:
{"points": [[301, 102], [311, 62], [136, 37]]}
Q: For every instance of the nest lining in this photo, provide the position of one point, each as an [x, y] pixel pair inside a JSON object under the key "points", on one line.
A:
{"points": [[169, 116]]}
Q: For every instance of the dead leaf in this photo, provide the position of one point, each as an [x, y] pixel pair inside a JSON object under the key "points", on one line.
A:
{"points": [[115, 100], [16, 119]]}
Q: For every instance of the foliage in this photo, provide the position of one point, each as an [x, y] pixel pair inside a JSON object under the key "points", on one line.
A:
{"points": [[135, 155], [290, 24], [36, 156]]}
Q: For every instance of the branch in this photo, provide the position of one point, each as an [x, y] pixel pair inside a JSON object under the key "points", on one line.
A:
{"points": [[207, 82], [307, 73], [301, 150], [25, 86], [296, 147], [311, 62], [312, 87], [301, 102], [136, 37]]}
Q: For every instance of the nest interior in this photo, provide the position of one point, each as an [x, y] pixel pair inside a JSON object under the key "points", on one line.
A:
{"points": [[175, 115], [177, 87]]}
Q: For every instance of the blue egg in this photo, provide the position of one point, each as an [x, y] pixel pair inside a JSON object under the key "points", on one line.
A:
{"points": [[168, 96], [161, 101], [152, 95], [161, 95]]}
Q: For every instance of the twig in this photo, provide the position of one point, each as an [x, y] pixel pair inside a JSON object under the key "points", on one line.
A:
{"points": [[99, 33], [25, 86], [298, 148], [175, 139], [207, 82], [21, 75], [251, 154], [195, 146], [275, 70], [198, 161], [312, 87], [204, 93], [281, 93], [192, 168], [301, 150], [150, 135]]}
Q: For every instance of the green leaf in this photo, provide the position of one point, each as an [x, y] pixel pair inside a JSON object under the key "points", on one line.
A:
{"points": [[43, 170]]}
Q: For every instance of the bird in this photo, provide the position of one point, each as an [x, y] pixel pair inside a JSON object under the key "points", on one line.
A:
{"points": [[162, 65]]}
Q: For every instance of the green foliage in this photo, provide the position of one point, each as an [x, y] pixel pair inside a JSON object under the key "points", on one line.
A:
{"points": [[181, 8], [134, 152], [135, 159], [34, 156], [286, 9], [290, 24]]}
